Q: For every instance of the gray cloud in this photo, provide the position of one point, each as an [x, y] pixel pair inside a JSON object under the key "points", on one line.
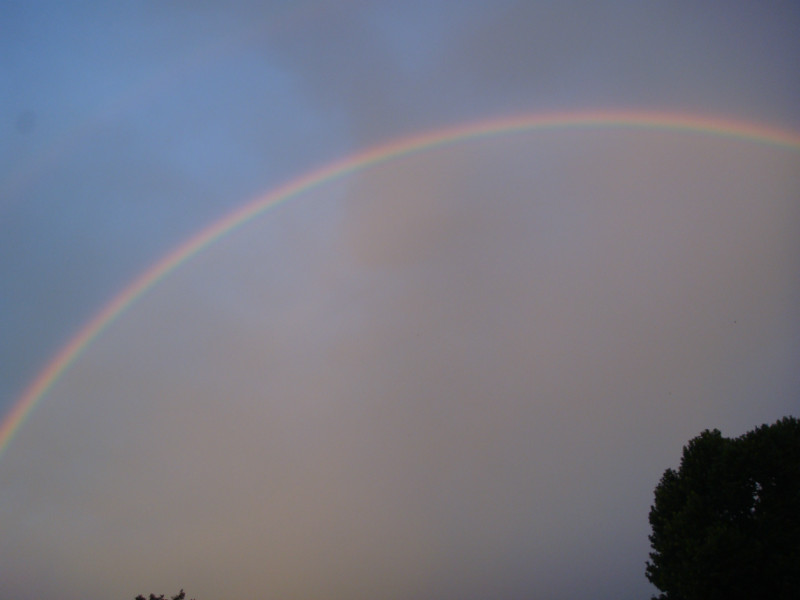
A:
{"points": [[458, 374]]}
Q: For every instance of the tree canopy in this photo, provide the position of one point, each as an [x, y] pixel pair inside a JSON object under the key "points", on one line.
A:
{"points": [[180, 596], [726, 524]]}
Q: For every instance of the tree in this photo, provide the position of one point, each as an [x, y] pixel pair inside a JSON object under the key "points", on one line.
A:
{"points": [[181, 595], [726, 524]]}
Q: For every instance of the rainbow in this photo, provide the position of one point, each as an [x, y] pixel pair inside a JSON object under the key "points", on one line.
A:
{"points": [[659, 121]]}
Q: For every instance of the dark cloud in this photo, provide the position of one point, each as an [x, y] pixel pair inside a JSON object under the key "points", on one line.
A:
{"points": [[455, 375], [468, 385]]}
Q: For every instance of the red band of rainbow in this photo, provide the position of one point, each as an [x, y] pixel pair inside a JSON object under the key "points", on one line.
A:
{"points": [[707, 125]]}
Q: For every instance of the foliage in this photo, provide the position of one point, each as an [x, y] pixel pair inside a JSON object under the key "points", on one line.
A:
{"points": [[726, 524], [181, 595]]}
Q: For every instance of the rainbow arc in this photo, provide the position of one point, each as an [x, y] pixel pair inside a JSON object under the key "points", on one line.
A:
{"points": [[643, 120]]}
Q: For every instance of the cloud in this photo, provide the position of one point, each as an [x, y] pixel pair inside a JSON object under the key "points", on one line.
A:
{"points": [[457, 374]]}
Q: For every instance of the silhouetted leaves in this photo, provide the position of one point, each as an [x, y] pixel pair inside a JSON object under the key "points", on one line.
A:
{"points": [[181, 595], [726, 524]]}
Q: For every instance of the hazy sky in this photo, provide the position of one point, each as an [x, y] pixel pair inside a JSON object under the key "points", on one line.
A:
{"points": [[455, 375]]}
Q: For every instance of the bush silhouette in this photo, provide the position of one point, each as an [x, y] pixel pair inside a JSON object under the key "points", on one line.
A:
{"points": [[180, 596]]}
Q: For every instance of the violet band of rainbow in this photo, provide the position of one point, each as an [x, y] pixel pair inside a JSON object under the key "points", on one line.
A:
{"points": [[649, 120]]}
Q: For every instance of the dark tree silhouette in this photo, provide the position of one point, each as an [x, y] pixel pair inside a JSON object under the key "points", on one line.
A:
{"points": [[181, 595], [726, 524]]}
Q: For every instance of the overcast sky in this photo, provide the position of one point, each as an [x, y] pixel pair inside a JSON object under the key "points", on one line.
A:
{"points": [[455, 375]]}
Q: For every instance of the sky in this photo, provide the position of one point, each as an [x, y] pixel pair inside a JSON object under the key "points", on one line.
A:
{"points": [[454, 374]]}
